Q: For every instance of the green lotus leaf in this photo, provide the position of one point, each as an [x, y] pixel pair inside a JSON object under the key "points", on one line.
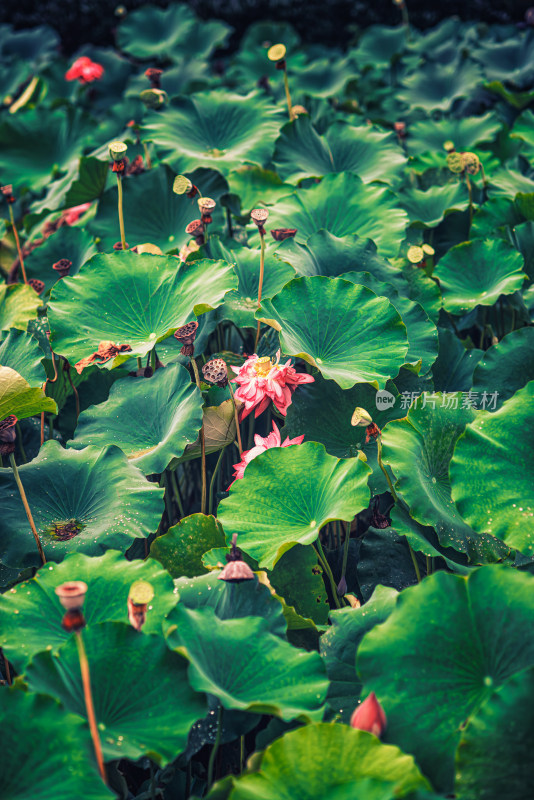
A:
{"points": [[167, 34], [320, 77], [328, 255], [419, 450], [421, 289], [18, 305], [152, 213], [342, 204], [522, 128], [241, 304], [422, 333], [134, 716], [83, 182], [340, 643], [151, 419], [497, 213], [346, 331], [247, 667], [428, 208], [492, 484], [453, 369], [508, 181], [423, 539], [21, 352], [36, 770], [322, 411], [439, 656], [371, 154], [107, 501], [271, 511], [37, 46], [510, 59], [378, 45], [439, 86], [478, 273], [180, 550], [216, 129], [505, 368], [17, 396], [31, 613], [493, 756], [132, 299], [75, 244], [464, 132], [39, 142], [334, 761], [297, 578], [253, 187]]}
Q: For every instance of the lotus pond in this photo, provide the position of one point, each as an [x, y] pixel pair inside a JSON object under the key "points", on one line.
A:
{"points": [[266, 413]]}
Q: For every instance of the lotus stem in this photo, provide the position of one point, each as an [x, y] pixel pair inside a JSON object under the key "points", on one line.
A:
{"points": [[428, 565], [76, 395], [88, 696], [260, 285], [346, 544], [17, 242], [215, 747], [26, 506], [6, 667], [176, 492], [470, 193], [288, 96], [121, 215], [19, 442], [414, 561], [236, 415], [42, 423], [202, 443], [326, 567], [147, 156], [384, 470], [214, 475]]}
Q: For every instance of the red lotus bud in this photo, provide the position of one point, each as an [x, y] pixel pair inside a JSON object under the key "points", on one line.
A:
{"points": [[369, 716]]}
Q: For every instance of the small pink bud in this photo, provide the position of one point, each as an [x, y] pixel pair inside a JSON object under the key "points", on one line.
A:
{"points": [[369, 716]]}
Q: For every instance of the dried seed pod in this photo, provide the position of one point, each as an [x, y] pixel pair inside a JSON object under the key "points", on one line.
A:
{"points": [[236, 572], [181, 185], [206, 205], [415, 254], [71, 594], [154, 76], [361, 418], [448, 146], [117, 150], [36, 285], [216, 371], [118, 246], [7, 191], [279, 234], [62, 267], [186, 336], [8, 435], [259, 217], [372, 432]]}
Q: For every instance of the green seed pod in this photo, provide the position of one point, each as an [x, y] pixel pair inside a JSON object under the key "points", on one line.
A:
{"points": [[415, 254], [181, 185], [471, 163], [360, 418], [153, 98], [117, 150], [455, 162], [277, 52]]}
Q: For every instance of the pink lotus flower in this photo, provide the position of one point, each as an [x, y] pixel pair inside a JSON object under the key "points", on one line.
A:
{"points": [[261, 444], [369, 716], [262, 380], [72, 215], [84, 70]]}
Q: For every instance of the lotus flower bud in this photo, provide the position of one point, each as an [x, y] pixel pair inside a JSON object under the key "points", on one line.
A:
{"points": [[342, 587], [117, 150], [8, 435], [369, 716], [72, 595], [361, 418]]}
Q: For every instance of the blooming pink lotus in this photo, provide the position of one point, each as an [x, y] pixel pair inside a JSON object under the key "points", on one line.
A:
{"points": [[84, 70], [261, 380], [261, 444]]}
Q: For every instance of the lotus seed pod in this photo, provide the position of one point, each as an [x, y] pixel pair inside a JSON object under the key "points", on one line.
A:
{"points": [[181, 185], [153, 249], [455, 162], [428, 250], [141, 592], [360, 418], [279, 234], [117, 150], [277, 52], [216, 371], [71, 594], [236, 572], [471, 163], [297, 111], [448, 146], [153, 98], [415, 254], [62, 267], [259, 216], [206, 206], [36, 285], [8, 435], [369, 716], [186, 334]]}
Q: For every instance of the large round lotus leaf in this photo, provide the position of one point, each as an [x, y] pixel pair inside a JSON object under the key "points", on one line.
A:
{"points": [[152, 212], [152, 420], [21, 352], [322, 411], [464, 132], [444, 650], [321, 77], [419, 450], [423, 539], [298, 579], [132, 299], [492, 471], [215, 129], [319, 761], [510, 59], [494, 755], [241, 304], [136, 717], [478, 273], [36, 143], [422, 333], [438, 86], [328, 255], [371, 154], [31, 613], [342, 204], [453, 369], [428, 208], [168, 33], [496, 213], [505, 367], [18, 304], [75, 244], [343, 329], [107, 501], [287, 495], [378, 45], [247, 667], [253, 186], [180, 550], [17, 396], [340, 643], [51, 755]]}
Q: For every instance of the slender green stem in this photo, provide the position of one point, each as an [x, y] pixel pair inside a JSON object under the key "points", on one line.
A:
{"points": [[384, 470], [260, 285], [288, 96], [236, 415], [214, 475], [19, 442], [215, 747], [251, 424], [202, 444], [242, 753], [470, 193], [147, 156], [176, 492], [50, 426], [88, 696], [167, 498], [17, 242], [26, 506], [326, 566], [429, 565], [414, 561], [483, 331], [121, 216], [76, 395], [153, 360], [406, 21], [139, 363], [346, 544]]}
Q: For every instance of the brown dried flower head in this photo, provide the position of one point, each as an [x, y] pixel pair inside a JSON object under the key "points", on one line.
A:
{"points": [[36, 285], [236, 570], [279, 234], [71, 594], [154, 76], [62, 267], [186, 336], [216, 371], [8, 435]]}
